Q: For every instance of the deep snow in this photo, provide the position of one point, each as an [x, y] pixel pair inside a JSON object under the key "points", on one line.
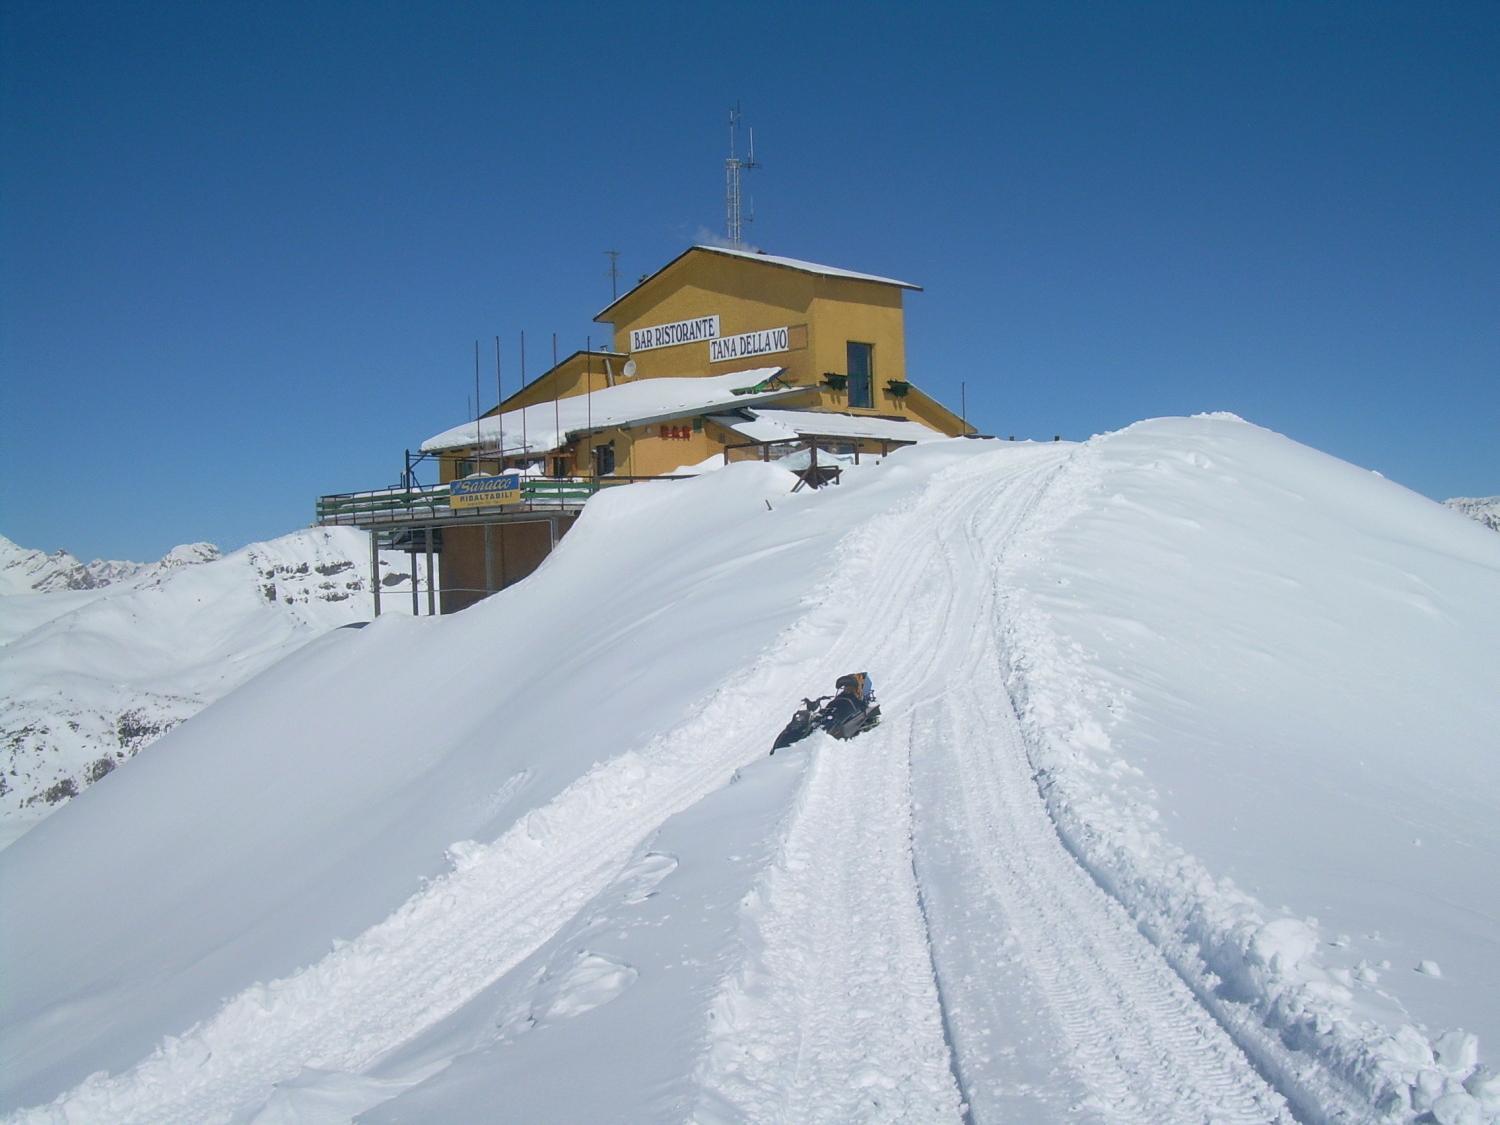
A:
{"points": [[1152, 703]]}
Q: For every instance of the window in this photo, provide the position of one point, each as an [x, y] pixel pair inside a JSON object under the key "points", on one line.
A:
{"points": [[861, 374], [604, 459]]}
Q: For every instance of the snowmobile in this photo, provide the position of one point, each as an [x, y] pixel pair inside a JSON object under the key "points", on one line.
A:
{"points": [[851, 711]]}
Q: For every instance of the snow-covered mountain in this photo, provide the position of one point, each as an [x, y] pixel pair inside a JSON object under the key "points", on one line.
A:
{"points": [[93, 674], [1485, 509], [27, 571], [1184, 807]]}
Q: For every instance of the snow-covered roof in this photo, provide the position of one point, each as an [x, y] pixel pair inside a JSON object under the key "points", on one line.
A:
{"points": [[808, 267], [783, 425], [757, 256], [753, 428], [547, 425]]}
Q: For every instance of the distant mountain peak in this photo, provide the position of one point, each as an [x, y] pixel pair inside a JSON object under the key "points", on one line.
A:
{"points": [[1485, 509], [24, 570]]}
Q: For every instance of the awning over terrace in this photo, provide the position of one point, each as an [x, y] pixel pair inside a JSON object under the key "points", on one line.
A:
{"points": [[788, 425]]}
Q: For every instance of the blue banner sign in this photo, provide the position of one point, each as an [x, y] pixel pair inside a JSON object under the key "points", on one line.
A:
{"points": [[485, 492]]}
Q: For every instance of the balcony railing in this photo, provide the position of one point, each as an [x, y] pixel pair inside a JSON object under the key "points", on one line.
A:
{"points": [[429, 503]]}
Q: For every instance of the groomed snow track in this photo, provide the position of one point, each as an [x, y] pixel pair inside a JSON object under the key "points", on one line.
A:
{"points": [[938, 826], [924, 948]]}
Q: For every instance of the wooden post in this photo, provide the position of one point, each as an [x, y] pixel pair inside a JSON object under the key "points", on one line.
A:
{"points": [[375, 569], [431, 593]]}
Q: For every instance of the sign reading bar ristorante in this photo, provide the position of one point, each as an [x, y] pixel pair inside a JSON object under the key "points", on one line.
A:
{"points": [[763, 341], [669, 335], [485, 492]]}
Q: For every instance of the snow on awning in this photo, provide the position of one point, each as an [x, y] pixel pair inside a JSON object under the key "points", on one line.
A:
{"points": [[754, 429], [816, 423], [546, 426]]}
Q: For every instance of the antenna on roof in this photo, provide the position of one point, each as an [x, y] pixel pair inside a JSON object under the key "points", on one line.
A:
{"points": [[733, 168]]}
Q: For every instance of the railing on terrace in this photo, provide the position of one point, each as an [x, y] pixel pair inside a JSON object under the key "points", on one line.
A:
{"points": [[423, 503]]}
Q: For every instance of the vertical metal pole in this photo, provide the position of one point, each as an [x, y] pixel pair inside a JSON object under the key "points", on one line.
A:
{"points": [[489, 565], [431, 593], [411, 554], [552, 534], [375, 569]]}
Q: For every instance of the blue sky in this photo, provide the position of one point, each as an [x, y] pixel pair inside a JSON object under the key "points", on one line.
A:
{"points": [[246, 249]]}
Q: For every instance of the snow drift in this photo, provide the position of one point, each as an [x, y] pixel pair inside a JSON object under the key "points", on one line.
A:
{"points": [[1184, 805]]}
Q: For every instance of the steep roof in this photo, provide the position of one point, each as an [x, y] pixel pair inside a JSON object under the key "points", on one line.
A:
{"points": [[767, 259]]}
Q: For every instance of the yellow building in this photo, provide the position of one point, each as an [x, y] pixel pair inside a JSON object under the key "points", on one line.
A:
{"points": [[719, 355]]}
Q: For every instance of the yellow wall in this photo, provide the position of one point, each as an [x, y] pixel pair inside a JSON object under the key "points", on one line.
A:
{"points": [[748, 295], [570, 377]]}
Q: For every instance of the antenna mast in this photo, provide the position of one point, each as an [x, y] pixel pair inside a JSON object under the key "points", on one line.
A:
{"points": [[733, 167]]}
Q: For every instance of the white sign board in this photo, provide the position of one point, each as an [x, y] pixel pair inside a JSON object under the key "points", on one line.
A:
{"points": [[669, 335], [763, 341]]}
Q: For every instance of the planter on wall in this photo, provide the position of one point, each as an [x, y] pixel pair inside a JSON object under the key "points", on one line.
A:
{"points": [[835, 382], [898, 388]]}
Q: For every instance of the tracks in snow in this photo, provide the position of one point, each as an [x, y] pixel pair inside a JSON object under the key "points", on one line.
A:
{"points": [[1053, 1005]]}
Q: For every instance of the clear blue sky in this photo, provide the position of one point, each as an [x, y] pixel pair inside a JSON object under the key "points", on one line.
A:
{"points": [[246, 249]]}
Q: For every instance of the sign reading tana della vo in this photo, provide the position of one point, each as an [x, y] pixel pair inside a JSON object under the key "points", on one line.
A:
{"points": [[763, 341], [679, 332], [485, 492]]}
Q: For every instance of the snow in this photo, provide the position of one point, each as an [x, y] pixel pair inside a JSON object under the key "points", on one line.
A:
{"points": [[824, 424], [1163, 715], [93, 676], [753, 427], [547, 425], [807, 267], [26, 571]]}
